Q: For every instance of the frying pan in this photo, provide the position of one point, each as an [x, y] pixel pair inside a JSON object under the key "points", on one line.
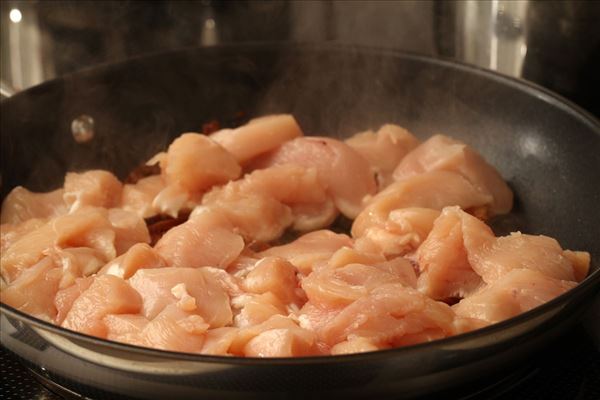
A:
{"points": [[547, 149]]}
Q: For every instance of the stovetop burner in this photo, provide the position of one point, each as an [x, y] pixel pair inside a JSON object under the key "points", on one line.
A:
{"points": [[568, 369]]}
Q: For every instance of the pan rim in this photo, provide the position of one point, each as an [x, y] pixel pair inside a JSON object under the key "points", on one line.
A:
{"points": [[543, 94], [530, 87]]}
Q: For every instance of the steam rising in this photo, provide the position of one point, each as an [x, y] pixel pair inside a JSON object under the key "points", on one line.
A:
{"points": [[139, 107]]}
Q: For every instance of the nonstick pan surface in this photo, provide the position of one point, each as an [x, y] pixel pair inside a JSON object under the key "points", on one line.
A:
{"points": [[547, 149]]}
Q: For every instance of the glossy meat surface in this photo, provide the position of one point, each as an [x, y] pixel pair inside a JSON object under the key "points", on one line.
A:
{"points": [[441, 153], [240, 245], [384, 149], [341, 169]]}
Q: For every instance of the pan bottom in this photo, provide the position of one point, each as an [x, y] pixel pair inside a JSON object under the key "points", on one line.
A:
{"points": [[496, 387], [570, 370]]}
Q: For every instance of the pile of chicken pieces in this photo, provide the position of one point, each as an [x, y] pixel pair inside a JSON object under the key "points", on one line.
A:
{"points": [[420, 264]]}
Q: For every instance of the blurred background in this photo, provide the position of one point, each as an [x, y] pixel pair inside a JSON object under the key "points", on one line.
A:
{"points": [[553, 43]]}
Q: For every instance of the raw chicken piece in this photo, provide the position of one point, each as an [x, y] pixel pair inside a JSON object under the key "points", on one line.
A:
{"points": [[443, 153], [331, 290], [242, 265], [280, 342], [347, 255], [217, 341], [427, 335], [309, 217], [176, 330], [106, 295], [76, 262], [66, 297], [461, 253], [230, 284], [96, 188], [87, 227], [206, 239], [402, 268], [192, 289], [172, 200], [126, 328], [403, 232], [172, 329], [386, 315], [338, 287], [195, 163], [21, 205], [435, 190], [137, 257], [129, 229], [34, 290], [309, 249], [518, 291], [258, 218], [345, 173], [266, 202], [355, 345], [258, 136], [466, 324], [580, 260], [384, 149], [289, 184], [192, 165], [10, 233], [138, 197], [274, 275], [539, 253], [314, 317], [444, 256], [256, 309], [279, 336]]}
